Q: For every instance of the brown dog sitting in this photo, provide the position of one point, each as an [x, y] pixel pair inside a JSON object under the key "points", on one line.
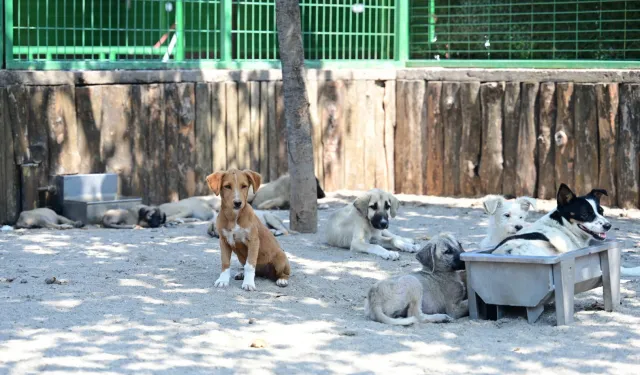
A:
{"points": [[244, 234]]}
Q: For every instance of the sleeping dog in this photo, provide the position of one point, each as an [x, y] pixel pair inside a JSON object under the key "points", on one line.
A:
{"points": [[136, 216], [571, 226]]}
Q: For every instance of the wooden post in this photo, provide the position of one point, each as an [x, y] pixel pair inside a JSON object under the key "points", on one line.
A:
{"points": [[244, 125], [28, 117], [378, 158], [563, 137], [586, 136], [354, 136], [9, 177], [264, 130], [627, 146], [233, 151], [153, 98], [390, 131], [204, 138], [318, 164], [331, 99], [172, 175], [281, 131], [89, 108], [409, 154], [219, 126], [434, 145], [274, 135], [470, 139], [526, 173], [254, 134], [607, 108], [546, 129], [64, 156], [139, 128], [452, 124], [510, 131], [373, 143], [491, 161]]}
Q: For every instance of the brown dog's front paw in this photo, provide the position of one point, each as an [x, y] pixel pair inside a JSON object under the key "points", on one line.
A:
{"points": [[282, 283]]}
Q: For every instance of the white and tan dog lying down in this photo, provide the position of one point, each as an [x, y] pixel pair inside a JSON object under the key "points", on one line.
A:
{"points": [[362, 226], [275, 194], [45, 218], [506, 217], [435, 294]]}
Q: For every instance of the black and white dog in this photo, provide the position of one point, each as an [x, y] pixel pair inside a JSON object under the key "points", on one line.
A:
{"points": [[575, 222]]}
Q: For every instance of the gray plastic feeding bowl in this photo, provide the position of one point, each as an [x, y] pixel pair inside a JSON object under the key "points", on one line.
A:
{"points": [[497, 281], [86, 197]]}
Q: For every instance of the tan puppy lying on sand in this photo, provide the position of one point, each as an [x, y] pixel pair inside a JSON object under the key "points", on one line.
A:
{"points": [[139, 215], [242, 233], [45, 218]]}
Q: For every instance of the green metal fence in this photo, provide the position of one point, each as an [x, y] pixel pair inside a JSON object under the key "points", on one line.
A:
{"points": [[54, 34], [525, 33], [129, 34]]}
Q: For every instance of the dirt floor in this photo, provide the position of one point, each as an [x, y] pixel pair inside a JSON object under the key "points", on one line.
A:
{"points": [[143, 302]]}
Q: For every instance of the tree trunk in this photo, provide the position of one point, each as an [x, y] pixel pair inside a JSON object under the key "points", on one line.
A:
{"points": [[303, 214]]}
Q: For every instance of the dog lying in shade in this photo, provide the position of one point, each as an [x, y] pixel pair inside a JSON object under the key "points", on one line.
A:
{"points": [[140, 215], [45, 218]]}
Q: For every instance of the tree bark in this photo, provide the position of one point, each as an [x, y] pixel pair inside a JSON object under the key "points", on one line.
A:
{"points": [[303, 213]]}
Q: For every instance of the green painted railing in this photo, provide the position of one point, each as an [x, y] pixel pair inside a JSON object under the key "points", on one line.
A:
{"points": [[157, 34]]}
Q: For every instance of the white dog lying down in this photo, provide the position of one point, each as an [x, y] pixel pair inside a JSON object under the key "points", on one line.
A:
{"points": [[506, 217], [434, 294], [362, 226], [200, 208]]}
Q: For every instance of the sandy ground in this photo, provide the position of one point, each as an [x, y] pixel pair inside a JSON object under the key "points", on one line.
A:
{"points": [[143, 302]]}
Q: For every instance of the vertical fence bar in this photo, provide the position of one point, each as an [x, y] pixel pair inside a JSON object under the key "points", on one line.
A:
{"points": [[8, 35], [432, 20], [225, 30], [402, 32], [2, 34], [180, 45]]}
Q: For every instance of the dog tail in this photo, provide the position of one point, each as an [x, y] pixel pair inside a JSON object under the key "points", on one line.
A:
{"points": [[633, 271], [375, 313]]}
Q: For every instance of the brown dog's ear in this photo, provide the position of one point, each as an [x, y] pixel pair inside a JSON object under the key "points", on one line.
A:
{"points": [[395, 203], [254, 178], [427, 257], [565, 195], [214, 181], [362, 204]]}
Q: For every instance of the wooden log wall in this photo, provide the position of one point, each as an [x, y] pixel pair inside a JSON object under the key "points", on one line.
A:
{"points": [[446, 138], [518, 138]]}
